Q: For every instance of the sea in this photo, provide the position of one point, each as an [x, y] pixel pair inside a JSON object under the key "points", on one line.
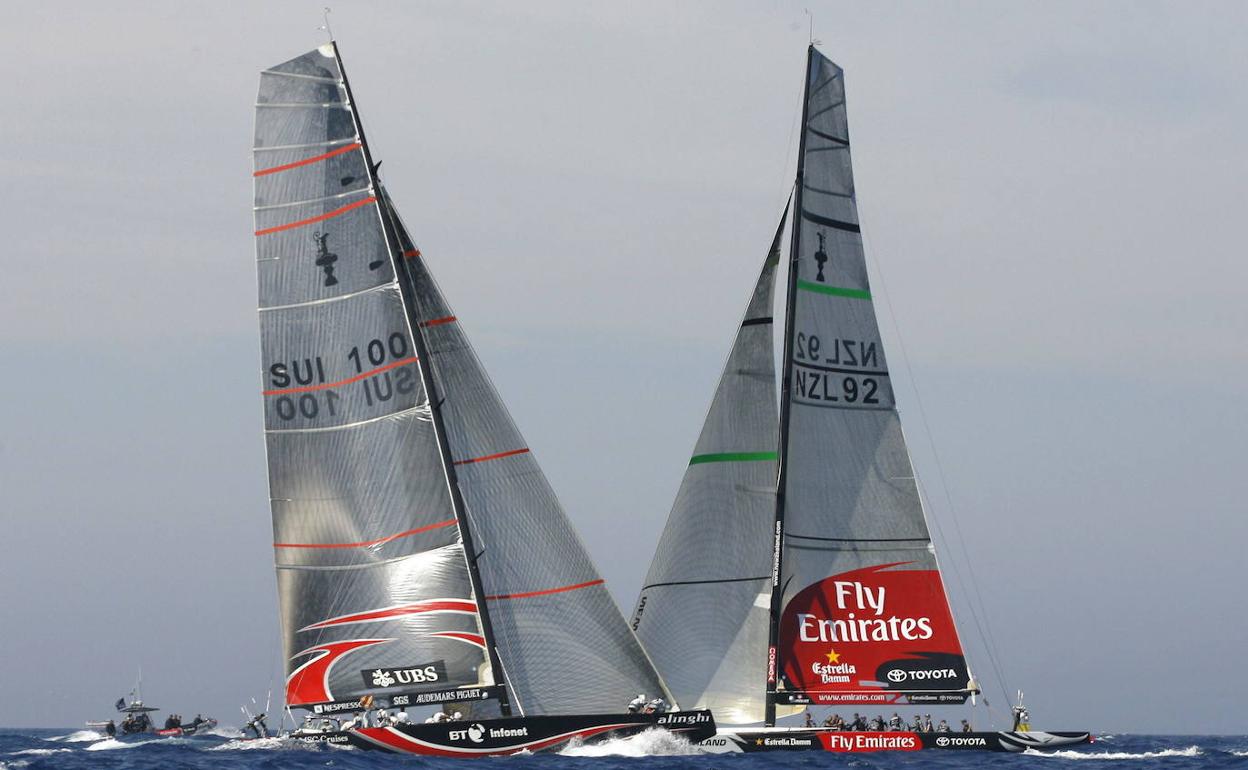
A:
{"points": [[67, 749]]}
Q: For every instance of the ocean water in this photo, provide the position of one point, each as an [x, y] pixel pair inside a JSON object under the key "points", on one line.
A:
{"points": [[42, 749]]}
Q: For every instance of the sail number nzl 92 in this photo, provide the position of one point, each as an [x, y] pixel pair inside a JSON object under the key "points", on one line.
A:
{"points": [[835, 370]]}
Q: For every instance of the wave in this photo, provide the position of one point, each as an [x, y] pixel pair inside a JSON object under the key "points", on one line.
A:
{"points": [[1238, 753], [15, 764], [651, 743], [39, 752], [1190, 751], [77, 737]]}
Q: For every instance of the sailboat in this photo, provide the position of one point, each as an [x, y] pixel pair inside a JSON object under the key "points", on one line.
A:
{"points": [[796, 567], [422, 557]]}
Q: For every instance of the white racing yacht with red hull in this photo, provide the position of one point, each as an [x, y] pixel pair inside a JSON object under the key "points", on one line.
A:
{"points": [[422, 557], [796, 567]]}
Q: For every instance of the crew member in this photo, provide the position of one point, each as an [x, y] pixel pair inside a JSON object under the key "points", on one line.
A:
{"points": [[966, 727], [110, 729], [894, 723], [637, 704], [943, 727], [809, 720]]}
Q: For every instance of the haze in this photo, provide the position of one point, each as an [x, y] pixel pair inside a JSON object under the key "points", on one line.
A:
{"points": [[1053, 196]]}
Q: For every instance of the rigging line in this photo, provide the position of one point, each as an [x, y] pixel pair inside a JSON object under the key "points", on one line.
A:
{"points": [[786, 178], [989, 641]]}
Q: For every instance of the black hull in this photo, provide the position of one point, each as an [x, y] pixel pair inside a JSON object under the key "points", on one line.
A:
{"points": [[786, 739], [499, 737]]}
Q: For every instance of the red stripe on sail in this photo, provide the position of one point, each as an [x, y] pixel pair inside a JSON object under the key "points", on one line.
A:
{"points": [[558, 590], [498, 456], [322, 217], [310, 682], [348, 381], [474, 639], [439, 321], [308, 161], [412, 253], [368, 543], [390, 613]]}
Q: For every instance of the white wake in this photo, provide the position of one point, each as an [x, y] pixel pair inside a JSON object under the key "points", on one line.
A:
{"points": [[110, 744], [78, 737], [1190, 751], [264, 744], [651, 743]]}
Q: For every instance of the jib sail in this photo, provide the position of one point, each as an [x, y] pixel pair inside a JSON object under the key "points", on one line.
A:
{"points": [[860, 610], [564, 645], [703, 610]]}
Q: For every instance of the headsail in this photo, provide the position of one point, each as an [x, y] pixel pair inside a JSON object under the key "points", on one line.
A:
{"points": [[703, 610], [860, 608], [373, 585], [564, 645]]}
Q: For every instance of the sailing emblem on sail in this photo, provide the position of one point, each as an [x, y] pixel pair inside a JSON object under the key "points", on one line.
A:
{"points": [[324, 258], [821, 258]]}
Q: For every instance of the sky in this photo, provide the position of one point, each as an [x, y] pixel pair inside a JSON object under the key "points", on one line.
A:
{"points": [[1053, 199]]}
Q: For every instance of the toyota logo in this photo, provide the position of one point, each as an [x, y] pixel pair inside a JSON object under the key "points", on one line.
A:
{"points": [[896, 675], [942, 741]]}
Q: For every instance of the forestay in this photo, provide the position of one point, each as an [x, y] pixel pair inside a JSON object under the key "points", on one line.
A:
{"points": [[863, 614], [373, 585], [703, 610]]}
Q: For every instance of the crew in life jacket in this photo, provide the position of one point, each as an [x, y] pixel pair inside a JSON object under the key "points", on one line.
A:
{"points": [[894, 723]]}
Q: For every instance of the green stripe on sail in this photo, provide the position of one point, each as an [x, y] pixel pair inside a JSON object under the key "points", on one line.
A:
{"points": [[834, 290], [733, 457]]}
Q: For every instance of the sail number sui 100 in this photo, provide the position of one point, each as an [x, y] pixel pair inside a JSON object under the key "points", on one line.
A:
{"points": [[321, 397]]}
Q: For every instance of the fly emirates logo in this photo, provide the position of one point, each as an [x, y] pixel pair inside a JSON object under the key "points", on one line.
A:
{"points": [[856, 599]]}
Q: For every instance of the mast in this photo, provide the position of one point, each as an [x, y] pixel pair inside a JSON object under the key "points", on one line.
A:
{"points": [[777, 566], [431, 393]]}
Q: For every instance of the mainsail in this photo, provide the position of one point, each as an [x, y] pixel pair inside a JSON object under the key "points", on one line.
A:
{"points": [[826, 552], [376, 488], [703, 610], [859, 610]]}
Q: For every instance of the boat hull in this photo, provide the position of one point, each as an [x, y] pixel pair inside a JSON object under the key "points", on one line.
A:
{"points": [[500, 737], [815, 739]]}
